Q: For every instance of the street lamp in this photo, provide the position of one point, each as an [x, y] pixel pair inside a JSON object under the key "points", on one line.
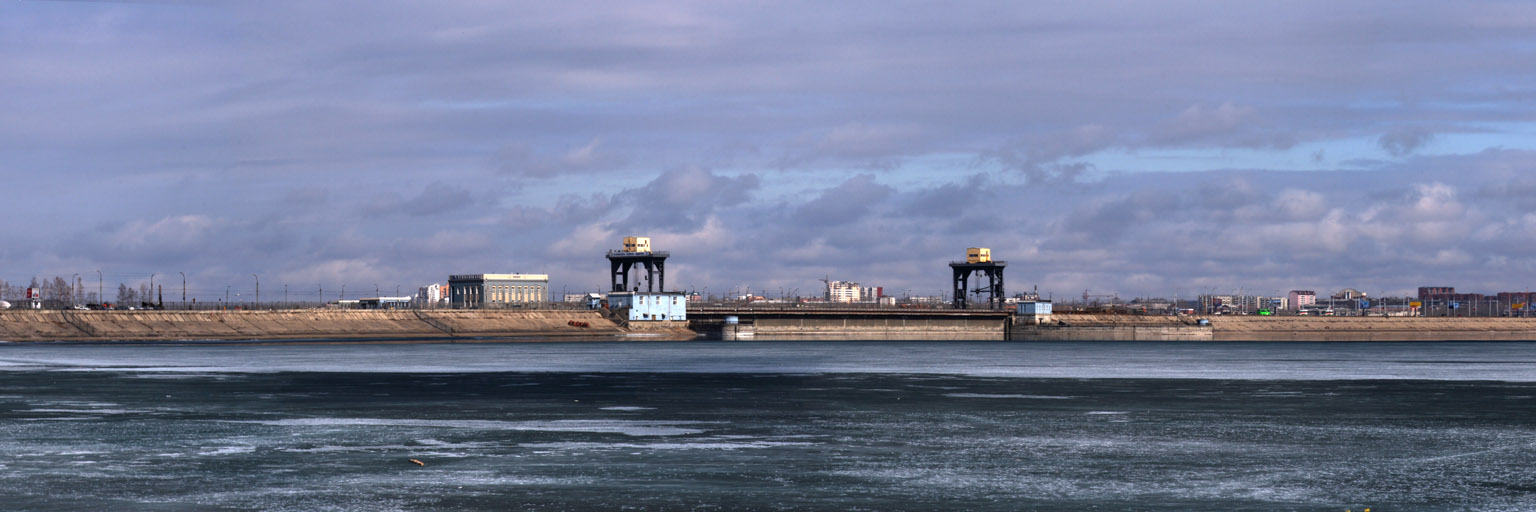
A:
{"points": [[258, 290], [74, 290], [98, 287], [151, 286], [183, 288]]}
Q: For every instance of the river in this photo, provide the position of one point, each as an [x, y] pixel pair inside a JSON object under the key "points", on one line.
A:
{"points": [[768, 426]]}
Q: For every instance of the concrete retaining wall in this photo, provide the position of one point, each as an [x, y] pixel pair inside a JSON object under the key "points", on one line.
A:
{"points": [[877, 328], [1111, 333]]}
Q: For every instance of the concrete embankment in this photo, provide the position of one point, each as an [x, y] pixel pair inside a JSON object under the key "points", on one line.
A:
{"points": [[1071, 327], [1309, 328], [297, 324]]}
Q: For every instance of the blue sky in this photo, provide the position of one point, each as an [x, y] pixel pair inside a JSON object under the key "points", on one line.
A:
{"points": [[1143, 149]]}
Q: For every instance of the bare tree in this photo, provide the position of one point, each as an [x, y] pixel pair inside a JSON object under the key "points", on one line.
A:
{"points": [[126, 295]]}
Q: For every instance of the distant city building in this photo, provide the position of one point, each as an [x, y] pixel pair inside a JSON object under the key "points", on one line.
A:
{"points": [[473, 291], [430, 295], [384, 303], [871, 294], [847, 291], [1349, 294], [844, 291], [1432, 292], [1298, 299], [1236, 304]]}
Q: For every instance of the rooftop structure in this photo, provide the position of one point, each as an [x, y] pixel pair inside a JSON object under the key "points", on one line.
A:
{"points": [[637, 251], [978, 259]]}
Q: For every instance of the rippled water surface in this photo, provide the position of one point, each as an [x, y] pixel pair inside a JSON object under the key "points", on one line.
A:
{"points": [[777, 425]]}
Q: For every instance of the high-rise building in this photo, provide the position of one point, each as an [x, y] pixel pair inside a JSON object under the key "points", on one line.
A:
{"points": [[1298, 299], [844, 291]]}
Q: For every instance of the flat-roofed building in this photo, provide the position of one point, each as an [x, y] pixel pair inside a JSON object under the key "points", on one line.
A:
{"points": [[1299, 299], [649, 306], [473, 291], [384, 303]]}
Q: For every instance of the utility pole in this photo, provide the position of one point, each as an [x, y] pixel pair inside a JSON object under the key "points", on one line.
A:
{"points": [[98, 287], [258, 290], [183, 288]]}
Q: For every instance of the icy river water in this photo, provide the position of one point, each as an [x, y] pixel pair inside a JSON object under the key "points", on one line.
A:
{"points": [[768, 426]]}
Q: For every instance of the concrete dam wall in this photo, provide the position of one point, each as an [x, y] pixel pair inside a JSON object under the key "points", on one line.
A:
{"points": [[25, 325]]}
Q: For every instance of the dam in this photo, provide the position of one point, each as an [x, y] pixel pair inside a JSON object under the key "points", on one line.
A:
{"points": [[733, 324]]}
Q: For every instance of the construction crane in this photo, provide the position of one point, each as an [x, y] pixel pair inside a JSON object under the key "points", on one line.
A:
{"points": [[1087, 297]]}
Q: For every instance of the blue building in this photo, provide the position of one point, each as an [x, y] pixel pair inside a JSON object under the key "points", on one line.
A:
{"points": [[649, 306]]}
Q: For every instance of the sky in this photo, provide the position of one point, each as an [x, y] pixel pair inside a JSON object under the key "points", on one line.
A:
{"points": [[1137, 149]]}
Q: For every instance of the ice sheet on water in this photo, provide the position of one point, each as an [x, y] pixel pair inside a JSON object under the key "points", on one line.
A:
{"points": [[696, 445], [86, 411], [625, 427], [1492, 361], [1007, 395]]}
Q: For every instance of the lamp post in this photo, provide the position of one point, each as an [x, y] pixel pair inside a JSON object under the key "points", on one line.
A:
{"points": [[98, 287], [258, 290], [151, 285], [74, 289], [183, 288]]}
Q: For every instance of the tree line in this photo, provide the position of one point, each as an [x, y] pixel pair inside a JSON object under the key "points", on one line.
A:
{"points": [[58, 292]]}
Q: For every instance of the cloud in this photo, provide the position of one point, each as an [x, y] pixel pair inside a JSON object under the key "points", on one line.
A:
{"points": [[1404, 141], [872, 145], [682, 199], [1173, 146], [1225, 125], [844, 203], [436, 198], [175, 238], [524, 160]]}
